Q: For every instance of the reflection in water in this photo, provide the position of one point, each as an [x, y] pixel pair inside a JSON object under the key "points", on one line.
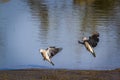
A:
{"points": [[40, 13], [102, 11], [96, 12], [35, 24], [104, 6], [83, 2], [4, 1], [40, 10]]}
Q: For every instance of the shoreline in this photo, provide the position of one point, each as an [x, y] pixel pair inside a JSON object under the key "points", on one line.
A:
{"points": [[59, 74]]}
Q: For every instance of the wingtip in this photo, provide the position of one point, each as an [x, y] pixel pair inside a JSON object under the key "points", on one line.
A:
{"points": [[80, 42], [60, 49]]}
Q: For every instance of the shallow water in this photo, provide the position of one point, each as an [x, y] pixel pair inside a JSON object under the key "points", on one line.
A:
{"points": [[28, 25]]}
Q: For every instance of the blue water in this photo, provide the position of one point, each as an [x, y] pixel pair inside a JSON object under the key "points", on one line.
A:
{"points": [[28, 25]]}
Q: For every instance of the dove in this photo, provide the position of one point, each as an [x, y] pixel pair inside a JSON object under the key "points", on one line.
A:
{"points": [[48, 53]]}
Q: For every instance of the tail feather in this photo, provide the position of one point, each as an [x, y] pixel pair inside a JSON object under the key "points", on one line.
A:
{"points": [[52, 63], [94, 54]]}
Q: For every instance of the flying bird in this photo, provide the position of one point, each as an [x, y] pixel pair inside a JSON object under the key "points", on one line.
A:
{"points": [[91, 42], [48, 53]]}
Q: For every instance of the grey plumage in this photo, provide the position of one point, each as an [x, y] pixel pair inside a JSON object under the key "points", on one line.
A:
{"points": [[48, 53]]}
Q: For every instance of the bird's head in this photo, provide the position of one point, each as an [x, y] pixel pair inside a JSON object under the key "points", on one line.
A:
{"points": [[84, 38], [42, 50]]}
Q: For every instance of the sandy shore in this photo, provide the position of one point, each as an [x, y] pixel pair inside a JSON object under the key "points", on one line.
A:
{"points": [[59, 74]]}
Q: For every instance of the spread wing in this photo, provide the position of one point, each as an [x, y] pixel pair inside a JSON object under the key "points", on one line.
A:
{"points": [[94, 39], [53, 51]]}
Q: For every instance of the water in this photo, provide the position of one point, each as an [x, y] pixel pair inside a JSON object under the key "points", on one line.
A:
{"points": [[28, 25]]}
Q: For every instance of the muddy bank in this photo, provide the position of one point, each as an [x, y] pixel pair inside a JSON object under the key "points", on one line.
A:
{"points": [[60, 74]]}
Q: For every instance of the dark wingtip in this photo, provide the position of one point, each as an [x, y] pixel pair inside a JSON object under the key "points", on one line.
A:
{"points": [[80, 42], [60, 49], [52, 47]]}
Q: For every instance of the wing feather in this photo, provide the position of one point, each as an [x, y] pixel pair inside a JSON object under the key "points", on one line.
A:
{"points": [[53, 51]]}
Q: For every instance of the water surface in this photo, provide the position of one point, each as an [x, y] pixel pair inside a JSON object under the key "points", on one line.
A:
{"points": [[28, 25]]}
